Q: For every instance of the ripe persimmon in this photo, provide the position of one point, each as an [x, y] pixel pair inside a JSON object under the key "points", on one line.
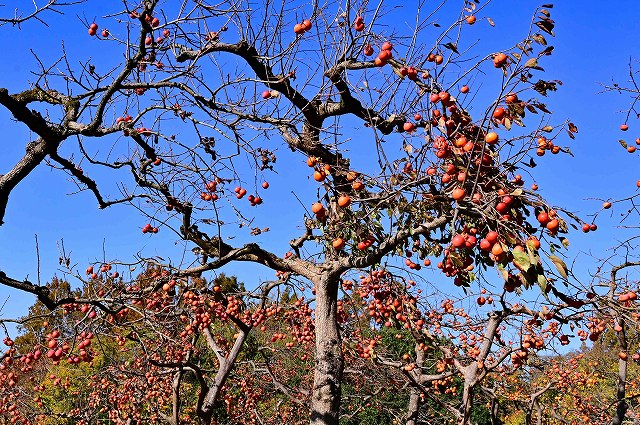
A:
{"points": [[457, 241], [491, 137], [317, 208], [409, 127], [511, 98], [492, 237], [458, 194], [497, 250], [385, 55], [553, 225], [338, 244], [500, 60], [344, 201], [471, 19], [543, 218]]}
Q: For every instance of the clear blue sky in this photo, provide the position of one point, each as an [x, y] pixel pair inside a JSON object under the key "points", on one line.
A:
{"points": [[594, 43]]}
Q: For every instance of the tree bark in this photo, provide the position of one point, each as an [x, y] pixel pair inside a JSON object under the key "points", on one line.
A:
{"points": [[495, 411], [621, 387], [467, 398], [414, 398], [205, 412], [325, 400]]}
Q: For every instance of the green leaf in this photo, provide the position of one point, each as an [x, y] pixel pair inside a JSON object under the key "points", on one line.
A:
{"points": [[623, 143], [521, 259], [531, 63], [455, 259], [533, 257], [560, 265], [542, 283]]}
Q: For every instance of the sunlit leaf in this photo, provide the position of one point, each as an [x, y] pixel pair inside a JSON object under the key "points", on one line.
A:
{"points": [[521, 259], [560, 265]]}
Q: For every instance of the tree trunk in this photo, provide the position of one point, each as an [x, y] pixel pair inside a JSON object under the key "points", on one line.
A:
{"points": [[467, 399], [495, 411], [414, 399], [621, 388], [205, 412], [325, 401]]}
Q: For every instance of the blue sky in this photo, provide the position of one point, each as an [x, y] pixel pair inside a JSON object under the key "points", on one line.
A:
{"points": [[593, 45]]}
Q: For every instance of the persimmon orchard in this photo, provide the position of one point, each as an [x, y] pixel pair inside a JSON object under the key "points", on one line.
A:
{"points": [[422, 281]]}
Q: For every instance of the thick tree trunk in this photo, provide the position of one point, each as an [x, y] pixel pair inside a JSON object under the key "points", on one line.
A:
{"points": [[325, 401], [413, 409], [467, 400], [621, 387]]}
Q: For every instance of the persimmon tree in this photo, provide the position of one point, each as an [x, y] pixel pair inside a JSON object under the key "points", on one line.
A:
{"points": [[612, 320], [195, 104]]}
